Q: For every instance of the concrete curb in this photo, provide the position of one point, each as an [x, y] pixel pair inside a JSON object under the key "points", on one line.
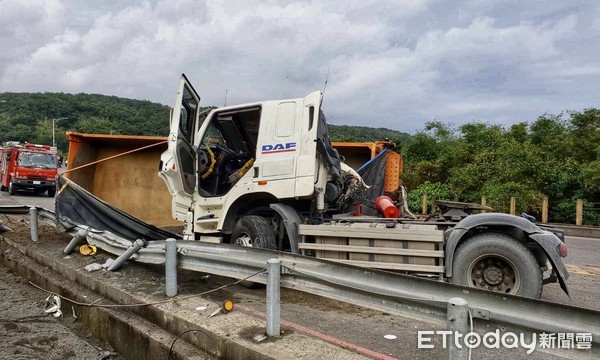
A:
{"points": [[579, 231], [144, 340], [223, 340]]}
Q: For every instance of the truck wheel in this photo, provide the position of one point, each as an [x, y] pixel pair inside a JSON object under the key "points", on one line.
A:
{"points": [[11, 188], [3, 188], [51, 192], [499, 263], [253, 231]]}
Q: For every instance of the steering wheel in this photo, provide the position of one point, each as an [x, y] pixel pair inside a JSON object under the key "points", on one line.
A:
{"points": [[206, 161]]}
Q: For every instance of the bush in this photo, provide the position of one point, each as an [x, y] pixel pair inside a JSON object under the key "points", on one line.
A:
{"points": [[435, 190], [566, 212], [498, 197]]}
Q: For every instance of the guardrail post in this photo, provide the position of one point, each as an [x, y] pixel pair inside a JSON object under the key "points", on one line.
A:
{"points": [[424, 205], [33, 223], [81, 234], [513, 205], [579, 213], [171, 267], [483, 202], [545, 210], [135, 247], [273, 298], [458, 322]]}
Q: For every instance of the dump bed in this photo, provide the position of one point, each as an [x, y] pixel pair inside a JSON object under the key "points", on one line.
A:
{"points": [[128, 182]]}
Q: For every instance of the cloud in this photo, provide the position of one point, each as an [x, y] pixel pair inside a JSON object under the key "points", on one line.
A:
{"points": [[25, 25], [390, 64]]}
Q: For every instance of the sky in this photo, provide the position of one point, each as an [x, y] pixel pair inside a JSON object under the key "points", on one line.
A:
{"points": [[393, 64]]}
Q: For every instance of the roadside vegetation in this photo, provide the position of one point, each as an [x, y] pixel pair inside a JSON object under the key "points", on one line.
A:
{"points": [[557, 156]]}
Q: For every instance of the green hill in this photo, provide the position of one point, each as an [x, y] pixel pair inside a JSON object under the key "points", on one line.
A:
{"points": [[365, 134], [27, 116]]}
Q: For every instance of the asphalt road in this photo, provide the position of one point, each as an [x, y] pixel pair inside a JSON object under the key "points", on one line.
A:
{"points": [[367, 328], [583, 264], [28, 198]]}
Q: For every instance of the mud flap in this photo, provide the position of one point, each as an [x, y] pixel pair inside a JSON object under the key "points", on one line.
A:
{"points": [[291, 220], [549, 243]]}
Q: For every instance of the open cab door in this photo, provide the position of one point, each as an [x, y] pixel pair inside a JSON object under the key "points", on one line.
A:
{"points": [[178, 162]]}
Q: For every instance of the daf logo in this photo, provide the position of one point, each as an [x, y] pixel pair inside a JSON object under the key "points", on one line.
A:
{"points": [[278, 148]]}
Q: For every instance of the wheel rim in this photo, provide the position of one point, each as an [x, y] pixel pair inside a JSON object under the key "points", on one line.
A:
{"points": [[243, 240], [494, 272]]}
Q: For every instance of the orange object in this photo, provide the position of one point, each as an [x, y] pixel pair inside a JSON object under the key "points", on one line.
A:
{"points": [[356, 154], [358, 211], [386, 206], [122, 171]]}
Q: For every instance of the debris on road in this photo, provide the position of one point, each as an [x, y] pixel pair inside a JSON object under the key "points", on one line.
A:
{"points": [[88, 250], [52, 305], [98, 266]]}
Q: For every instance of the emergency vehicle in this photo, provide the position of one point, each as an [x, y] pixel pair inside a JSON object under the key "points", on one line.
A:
{"points": [[28, 167]]}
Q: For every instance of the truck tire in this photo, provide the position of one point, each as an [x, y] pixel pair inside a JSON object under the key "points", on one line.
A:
{"points": [[51, 192], [11, 188], [497, 262], [253, 231]]}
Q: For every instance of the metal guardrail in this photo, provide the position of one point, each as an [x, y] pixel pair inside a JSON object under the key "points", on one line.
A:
{"points": [[385, 291]]}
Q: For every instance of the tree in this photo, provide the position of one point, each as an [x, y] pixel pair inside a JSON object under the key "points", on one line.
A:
{"points": [[585, 129], [96, 125], [43, 132]]}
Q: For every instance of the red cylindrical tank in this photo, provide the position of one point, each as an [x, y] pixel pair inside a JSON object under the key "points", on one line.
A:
{"points": [[386, 206]]}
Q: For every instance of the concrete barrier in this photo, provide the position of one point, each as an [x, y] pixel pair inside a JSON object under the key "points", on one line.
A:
{"points": [[579, 231]]}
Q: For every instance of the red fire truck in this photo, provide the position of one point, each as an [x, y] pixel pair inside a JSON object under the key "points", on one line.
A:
{"points": [[28, 167]]}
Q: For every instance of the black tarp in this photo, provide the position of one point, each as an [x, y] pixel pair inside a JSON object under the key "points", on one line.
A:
{"points": [[329, 154], [373, 174], [76, 206]]}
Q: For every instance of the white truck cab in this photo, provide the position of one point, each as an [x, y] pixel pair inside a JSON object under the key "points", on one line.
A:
{"points": [[239, 155]]}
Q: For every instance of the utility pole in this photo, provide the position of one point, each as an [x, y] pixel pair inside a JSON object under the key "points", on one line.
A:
{"points": [[54, 121]]}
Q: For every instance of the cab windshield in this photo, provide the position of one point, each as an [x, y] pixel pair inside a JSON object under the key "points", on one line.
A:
{"points": [[37, 160]]}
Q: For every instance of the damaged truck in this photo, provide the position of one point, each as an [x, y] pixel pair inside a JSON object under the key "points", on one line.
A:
{"points": [[265, 175]]}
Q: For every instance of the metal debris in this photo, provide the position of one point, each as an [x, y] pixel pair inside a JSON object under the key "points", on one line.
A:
{"points": [[52, 305]]}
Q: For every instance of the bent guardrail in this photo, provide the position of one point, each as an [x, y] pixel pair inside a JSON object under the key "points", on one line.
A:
{"points": [[389, 292]]}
